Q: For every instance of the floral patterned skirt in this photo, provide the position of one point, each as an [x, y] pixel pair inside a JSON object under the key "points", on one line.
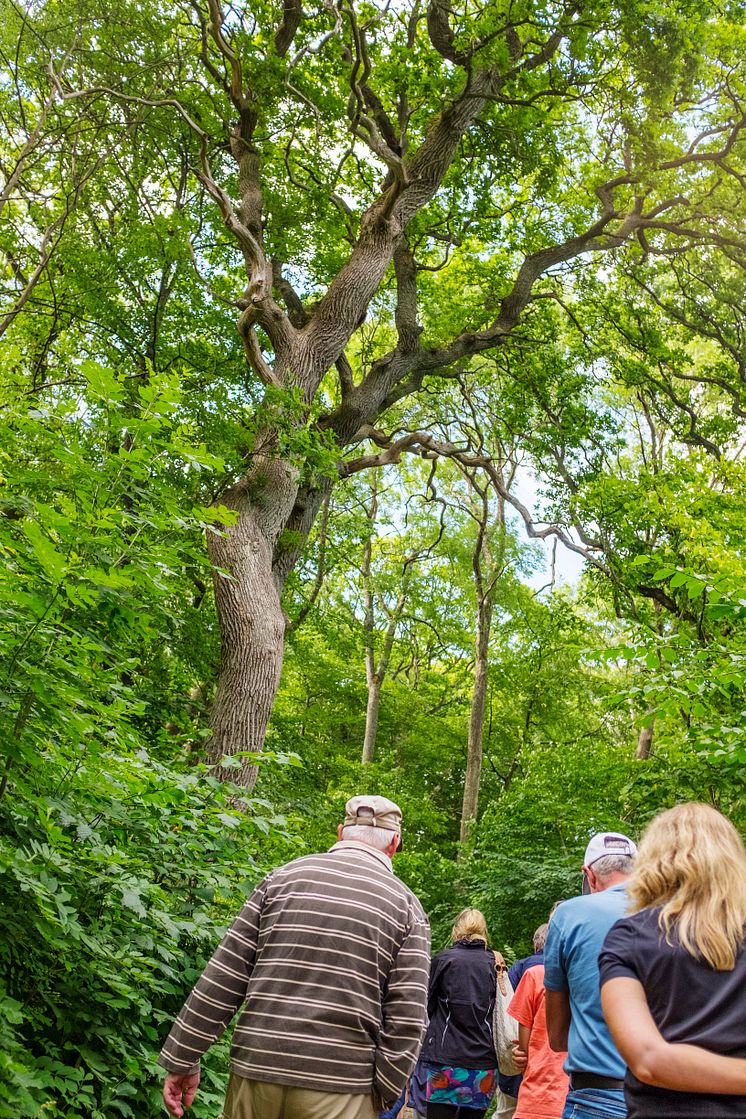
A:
{"points": [[460, 1087]]}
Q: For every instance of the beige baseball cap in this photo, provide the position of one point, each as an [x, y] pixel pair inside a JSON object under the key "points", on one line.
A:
{"points": [[373, 812]]}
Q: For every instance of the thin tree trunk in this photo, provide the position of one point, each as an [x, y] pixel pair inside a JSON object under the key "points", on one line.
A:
{"points": [[470, 804], [371, 719], [371, 680], [644, 743], [376, 679], [484, 587]]}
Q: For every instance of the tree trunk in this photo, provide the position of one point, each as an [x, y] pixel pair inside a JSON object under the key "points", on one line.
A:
{"points": [[470, 803], [252, 621], [644, 743], [371, 719], [378, 675]]}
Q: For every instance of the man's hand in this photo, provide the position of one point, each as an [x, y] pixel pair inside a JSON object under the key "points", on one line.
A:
{"points": [[179, 1091], [520, 1056]]}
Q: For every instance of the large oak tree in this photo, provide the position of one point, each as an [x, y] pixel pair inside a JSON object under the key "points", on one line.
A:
{"points": [[444, 169]]}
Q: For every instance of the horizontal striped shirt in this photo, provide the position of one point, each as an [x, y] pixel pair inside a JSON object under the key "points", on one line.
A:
{"points": [[329, 959]]}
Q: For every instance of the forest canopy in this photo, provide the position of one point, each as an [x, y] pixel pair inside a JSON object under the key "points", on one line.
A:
{"points": [[329, 332]]}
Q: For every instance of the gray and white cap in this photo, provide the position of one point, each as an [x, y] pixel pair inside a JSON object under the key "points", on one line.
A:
{"points": [[608, 843]]}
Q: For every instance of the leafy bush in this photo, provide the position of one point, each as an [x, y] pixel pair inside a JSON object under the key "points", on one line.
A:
{"points": [[120, 859], [115, 886]]}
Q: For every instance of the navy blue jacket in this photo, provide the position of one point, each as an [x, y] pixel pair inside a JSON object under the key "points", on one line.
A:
{"points": [[460, 1004]]}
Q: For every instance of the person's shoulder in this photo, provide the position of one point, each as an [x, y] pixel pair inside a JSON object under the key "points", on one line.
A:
{"points": [[633, 939], [411, 897], [312, 867], [569, 911], [644, 922], [634, 927], [533, 977], [299, 864], [417, 915], [444, 955], [586, 905]]}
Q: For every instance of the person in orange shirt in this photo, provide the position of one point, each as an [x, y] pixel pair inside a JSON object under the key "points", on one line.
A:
{"points": [[544, 1086]]}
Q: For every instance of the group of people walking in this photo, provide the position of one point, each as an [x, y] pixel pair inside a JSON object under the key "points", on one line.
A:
{"points": [[633, 1003]]}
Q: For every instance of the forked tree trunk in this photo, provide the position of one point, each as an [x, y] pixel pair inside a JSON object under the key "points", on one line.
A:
{"points": [[249, 609], [473, 774]]}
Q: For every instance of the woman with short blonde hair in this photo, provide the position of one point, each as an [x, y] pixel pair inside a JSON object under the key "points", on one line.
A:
{"points": [[673, 972], [470, 925], [457, 1066]]}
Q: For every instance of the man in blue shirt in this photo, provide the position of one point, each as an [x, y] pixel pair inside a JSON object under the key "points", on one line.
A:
{"points": [[575, 1021]]}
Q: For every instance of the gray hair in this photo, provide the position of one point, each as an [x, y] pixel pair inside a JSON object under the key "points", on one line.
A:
{"points": [[540, 937], [612, 864], [380, 838]]}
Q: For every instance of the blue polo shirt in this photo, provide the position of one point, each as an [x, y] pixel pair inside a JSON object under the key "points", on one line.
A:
{"points": [[576, 935]]}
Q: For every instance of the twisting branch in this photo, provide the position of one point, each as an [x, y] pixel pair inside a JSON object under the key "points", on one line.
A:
{"points": [[217, 19], [401, 372], [423, 444], [297, 313], [441, 34], [346, 381], [254, 355], [318, 46], [403, 196], [370, 123]]}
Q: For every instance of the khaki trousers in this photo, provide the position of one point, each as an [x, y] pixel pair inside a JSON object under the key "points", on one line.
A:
{"points": [[255, 1099]]}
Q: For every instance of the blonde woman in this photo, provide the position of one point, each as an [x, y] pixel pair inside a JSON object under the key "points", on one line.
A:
{"points": [[457, 1065], [673, 972]]}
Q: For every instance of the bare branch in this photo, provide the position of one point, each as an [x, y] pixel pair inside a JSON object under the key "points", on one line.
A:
{"points": [[423, 444]]}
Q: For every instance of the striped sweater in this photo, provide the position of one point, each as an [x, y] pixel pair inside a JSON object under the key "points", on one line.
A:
{"points": [[329, 958]]}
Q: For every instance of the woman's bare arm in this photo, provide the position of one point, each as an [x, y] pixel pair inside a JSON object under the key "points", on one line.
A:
{"points": [[652, 1059]]}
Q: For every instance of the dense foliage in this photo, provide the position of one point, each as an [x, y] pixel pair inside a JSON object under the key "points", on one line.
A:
{"points": [[487, 267]]}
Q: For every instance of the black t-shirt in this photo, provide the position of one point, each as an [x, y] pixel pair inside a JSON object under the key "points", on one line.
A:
{"points": [[689, 1001]]}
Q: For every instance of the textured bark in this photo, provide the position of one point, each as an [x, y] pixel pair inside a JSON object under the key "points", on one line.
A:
{"points": [[252, 621]]}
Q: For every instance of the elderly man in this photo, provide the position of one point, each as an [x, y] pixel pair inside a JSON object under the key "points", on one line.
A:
{"points": [[575, 1021], [329, 958]]}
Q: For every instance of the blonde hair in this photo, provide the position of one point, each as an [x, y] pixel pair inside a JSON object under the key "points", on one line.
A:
{"points": [[692, 862], [470, 925]]}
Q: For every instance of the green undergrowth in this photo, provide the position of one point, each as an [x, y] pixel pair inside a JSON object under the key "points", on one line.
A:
{"points": [[116, 882]]}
